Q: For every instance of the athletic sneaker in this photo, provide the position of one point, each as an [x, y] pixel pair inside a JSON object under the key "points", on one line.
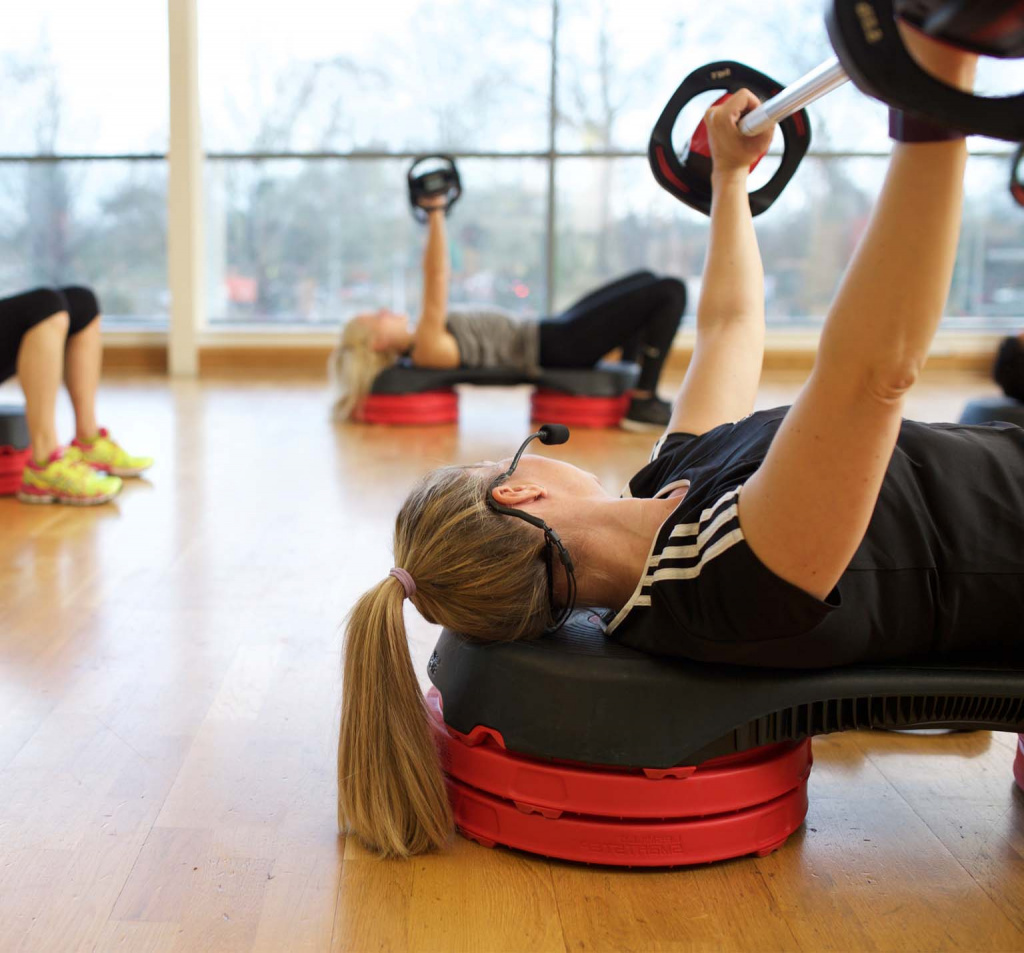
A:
{"points": [[647, 413], [102, 453], [65, 479]]}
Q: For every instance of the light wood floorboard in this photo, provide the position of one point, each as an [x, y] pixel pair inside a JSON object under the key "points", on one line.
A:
{"points": [[169, 692]]}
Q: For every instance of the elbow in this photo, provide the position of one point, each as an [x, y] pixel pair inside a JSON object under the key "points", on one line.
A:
{"points": [[880, 372], [888, 382]]}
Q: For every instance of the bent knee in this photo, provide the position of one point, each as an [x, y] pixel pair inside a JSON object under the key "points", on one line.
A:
{"points": [[55, 321], [83, 306], [43, 303], [673, 289]]}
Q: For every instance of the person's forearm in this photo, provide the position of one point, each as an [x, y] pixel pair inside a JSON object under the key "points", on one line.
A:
{"points": [[733, 285], [894, 292], [882, 321], [435, 270]]}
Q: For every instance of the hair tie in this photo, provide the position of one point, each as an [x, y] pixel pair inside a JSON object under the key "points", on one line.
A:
{"points": [[408, 583]]}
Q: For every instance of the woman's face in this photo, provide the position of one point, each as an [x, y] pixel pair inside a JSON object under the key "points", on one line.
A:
{"points": [[389, 329], [560, 478]]}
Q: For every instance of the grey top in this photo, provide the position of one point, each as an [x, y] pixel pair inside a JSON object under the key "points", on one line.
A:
{"points": [[490, 337]]}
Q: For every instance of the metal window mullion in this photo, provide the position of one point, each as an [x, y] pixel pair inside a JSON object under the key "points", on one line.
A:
{"points": [[364, 156]]}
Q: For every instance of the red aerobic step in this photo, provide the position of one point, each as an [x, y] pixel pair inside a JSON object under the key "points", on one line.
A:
{"points": [[575, 411], [1018, 763], [12, 462], [427, 407], [715, 787], [756, 830], [747, 803]]}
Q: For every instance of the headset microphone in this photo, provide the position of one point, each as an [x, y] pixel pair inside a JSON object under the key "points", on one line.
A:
{"points": [[553, 434]]}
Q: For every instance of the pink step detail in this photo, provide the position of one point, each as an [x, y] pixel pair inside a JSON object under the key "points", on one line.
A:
{"points": [[1018, 763]]}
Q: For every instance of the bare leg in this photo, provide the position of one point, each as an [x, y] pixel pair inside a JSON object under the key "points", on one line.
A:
{"points": [[82, 360], [39, 363]]}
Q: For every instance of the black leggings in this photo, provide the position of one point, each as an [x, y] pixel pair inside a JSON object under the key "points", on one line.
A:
{"points": [[18, 315], [1008, 371], [639, 313]]}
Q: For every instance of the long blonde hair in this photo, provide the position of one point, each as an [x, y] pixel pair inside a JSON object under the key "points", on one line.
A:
{"points": [[353, 366], [475, 571]]}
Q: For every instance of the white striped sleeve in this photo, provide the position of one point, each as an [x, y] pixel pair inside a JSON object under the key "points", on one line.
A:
{"points": [[687, 551]]}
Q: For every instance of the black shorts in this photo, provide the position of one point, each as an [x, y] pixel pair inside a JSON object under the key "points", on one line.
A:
{"points": [[18, 315]]}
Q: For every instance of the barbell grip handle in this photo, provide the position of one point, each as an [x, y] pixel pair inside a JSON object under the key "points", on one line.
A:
{"points": [[819, 81]]}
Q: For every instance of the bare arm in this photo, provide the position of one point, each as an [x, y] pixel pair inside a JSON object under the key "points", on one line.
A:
{"points": [[805, 511], [433, 345], [722, 379]]}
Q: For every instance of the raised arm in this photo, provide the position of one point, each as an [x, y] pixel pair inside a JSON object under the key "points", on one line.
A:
{"points": [[433, 346], [721, 381], [805, 511]]}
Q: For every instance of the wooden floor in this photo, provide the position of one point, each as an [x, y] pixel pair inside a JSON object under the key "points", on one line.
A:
{"points": [[169, 671]]}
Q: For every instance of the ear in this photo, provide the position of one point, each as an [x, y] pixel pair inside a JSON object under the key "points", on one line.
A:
{"points": [[379, 339], [518, 494]]}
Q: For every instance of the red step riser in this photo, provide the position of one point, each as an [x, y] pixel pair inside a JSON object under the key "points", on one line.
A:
{"points": [[758, 830], [575, 411], [745, 781], [12, 462], [428, 407], [442, 407]]}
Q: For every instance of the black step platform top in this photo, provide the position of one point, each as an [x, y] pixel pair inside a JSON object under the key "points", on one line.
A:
{"points": [[607, 379], [578, 696]]}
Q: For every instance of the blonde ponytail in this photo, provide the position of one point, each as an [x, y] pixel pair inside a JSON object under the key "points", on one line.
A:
{"points": [[475, 571], [352, 368], [390, 787]]}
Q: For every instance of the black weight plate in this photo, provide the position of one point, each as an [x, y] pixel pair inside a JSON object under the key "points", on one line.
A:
{"points": [[867, 41], [689, 179]]}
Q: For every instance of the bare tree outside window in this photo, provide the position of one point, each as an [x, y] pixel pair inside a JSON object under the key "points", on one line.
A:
{"points": [[312, 113], [99, 222]]}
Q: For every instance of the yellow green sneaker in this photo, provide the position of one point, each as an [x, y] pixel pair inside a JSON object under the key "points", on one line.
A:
{"points": [[65, 479], [102, 453]]}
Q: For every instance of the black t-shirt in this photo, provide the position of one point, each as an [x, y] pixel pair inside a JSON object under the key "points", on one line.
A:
{"points": [[940, 569]]}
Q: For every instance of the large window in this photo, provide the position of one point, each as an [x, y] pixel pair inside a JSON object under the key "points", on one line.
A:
{"points": [[323, 106], [83, 131], [806, 238], [308, 241], [313, 111]]}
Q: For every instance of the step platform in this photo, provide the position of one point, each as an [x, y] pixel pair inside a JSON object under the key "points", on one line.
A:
{"points": [[578, 397], [573, 746], [14, 448], [742, 804]]}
